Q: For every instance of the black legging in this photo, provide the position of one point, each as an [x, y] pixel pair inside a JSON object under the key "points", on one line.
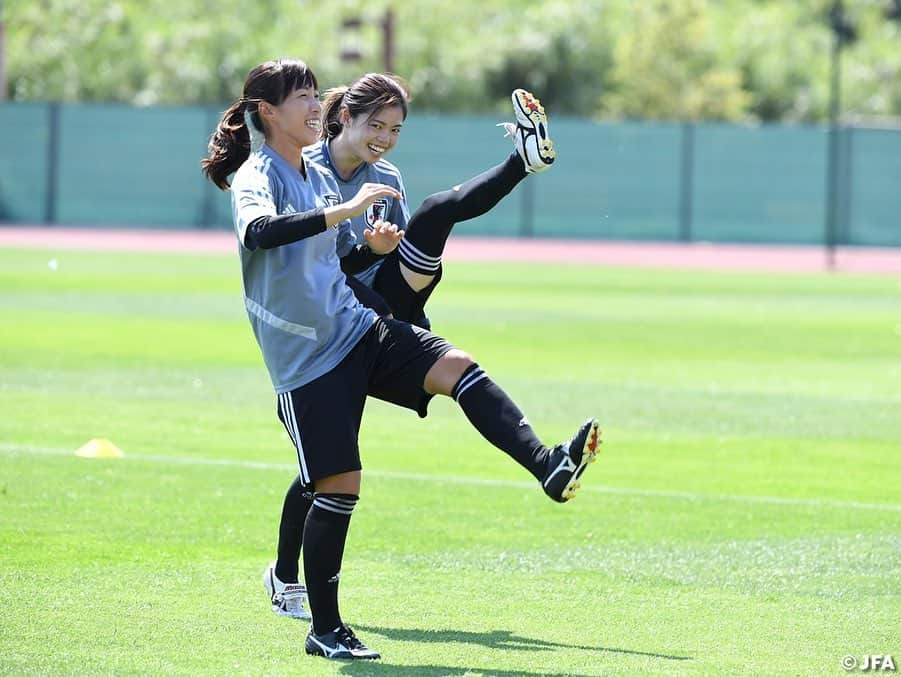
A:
{"points": [[426, 235], [431, 223]]}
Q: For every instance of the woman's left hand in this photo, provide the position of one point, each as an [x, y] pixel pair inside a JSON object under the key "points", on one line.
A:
{"points": [[383, 237]]}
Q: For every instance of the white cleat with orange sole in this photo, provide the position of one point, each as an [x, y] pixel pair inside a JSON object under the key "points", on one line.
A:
{"points": [[530, 133]]}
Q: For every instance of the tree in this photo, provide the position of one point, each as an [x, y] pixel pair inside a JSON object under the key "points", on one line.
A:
{"points": [[666, 65], [658, 59]]}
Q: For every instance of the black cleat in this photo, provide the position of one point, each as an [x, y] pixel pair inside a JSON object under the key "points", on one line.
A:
{"points": [[339, 643], [566, 462]]}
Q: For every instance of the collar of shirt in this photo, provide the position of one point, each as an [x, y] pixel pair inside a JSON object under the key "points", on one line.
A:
{"points": [[286, 166]]}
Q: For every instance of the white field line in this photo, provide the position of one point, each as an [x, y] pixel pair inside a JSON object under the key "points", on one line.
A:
{"points": [[477, 481]]}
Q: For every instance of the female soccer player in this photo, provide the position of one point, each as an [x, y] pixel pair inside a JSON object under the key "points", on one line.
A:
{"points": [[362, 124], [326, 352]]}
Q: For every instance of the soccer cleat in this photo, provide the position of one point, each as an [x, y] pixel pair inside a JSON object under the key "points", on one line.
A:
{"points": [[566, 462], [530, 133], [339, 643], [287, 598]]}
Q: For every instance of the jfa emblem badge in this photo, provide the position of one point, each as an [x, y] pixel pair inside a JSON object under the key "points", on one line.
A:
{"points": [[376, 211], [332, 200]]}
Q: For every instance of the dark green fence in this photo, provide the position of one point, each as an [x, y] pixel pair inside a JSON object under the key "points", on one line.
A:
{"points": [[101, 165]]}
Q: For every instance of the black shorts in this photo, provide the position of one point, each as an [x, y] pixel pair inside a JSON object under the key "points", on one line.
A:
{"points": [[391, 291], [323, 417]]}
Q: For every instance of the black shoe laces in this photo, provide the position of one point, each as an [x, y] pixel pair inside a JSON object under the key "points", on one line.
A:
{"points": [[348, 637]]}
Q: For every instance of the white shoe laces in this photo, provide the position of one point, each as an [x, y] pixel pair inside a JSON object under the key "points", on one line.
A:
{"points": [[509, 128]]}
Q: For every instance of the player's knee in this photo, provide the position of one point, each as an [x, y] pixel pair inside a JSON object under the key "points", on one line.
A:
{"points": [[459, 359], [437, 205], [342, 483], [432, 202], [444, 374]]}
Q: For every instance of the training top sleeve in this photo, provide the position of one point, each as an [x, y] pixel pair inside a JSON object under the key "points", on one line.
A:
{"points": [[253, 197], [359, 258], [268, 232]]}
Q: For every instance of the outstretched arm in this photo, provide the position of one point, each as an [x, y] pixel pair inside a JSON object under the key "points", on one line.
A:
{"points": [[268, 232], [368, 193]]}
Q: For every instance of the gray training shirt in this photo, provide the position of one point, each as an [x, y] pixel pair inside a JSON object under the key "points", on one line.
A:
{"points": [[304, 316], [384, 209]]}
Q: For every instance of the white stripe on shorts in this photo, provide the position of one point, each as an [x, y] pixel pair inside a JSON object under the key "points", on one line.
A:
{"points": [[283, 408], [294, 432]]}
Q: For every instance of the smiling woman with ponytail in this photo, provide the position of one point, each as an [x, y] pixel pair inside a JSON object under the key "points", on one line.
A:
{"points": [[230, 144], [291, 222]]}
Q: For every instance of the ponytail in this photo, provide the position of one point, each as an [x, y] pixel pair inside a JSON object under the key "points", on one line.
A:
{"points": [[331, 112], [229, 146], [240, 130]]}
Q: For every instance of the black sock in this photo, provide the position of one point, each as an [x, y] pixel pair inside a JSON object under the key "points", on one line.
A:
{"points": [[499, 420], [324, 535], [298, 500], [431, 224]]}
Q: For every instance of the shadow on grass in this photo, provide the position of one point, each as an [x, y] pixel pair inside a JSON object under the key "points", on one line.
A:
{"points": [[378, 668], [497, 639]]}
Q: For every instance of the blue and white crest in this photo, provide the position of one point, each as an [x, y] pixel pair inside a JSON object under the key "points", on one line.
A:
{"points": [[376, 211]]}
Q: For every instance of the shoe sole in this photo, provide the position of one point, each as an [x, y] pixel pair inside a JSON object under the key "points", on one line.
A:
{"points": [[343, 658], [278, 611], [269, 584], [590, 451], [319, 652], [530, 108]]}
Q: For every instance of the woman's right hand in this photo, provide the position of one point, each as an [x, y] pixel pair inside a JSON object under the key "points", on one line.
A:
{"points": [[368, 193]]}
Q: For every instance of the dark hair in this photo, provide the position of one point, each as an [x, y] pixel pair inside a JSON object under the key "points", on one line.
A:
{"points": [[365, 96], [229, 144]]}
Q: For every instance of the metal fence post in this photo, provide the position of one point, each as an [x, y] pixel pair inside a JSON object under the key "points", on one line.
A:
{"points": [[846, 186], [843, 32], [50, 203], [686, 181]]}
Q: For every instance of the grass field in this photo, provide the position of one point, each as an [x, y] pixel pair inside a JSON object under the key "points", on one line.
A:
{"points": [[743, 518]]}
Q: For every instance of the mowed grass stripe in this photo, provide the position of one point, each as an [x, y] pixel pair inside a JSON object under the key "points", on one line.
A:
{"points": [[478, 481]]}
